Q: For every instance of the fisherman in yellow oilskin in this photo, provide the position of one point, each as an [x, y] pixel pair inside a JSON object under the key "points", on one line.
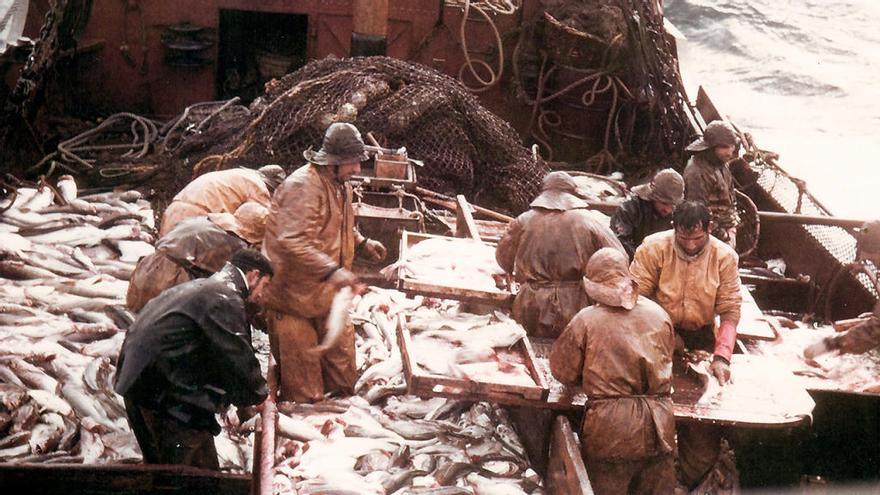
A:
{"points": [[222, 192], [311, 240], [865, 336], [546, 250], [707, 177], [694, 277]]}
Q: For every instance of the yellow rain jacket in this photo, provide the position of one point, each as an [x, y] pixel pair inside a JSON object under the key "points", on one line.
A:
{"points": [[310, 232], [691, 289], [216, 192]]}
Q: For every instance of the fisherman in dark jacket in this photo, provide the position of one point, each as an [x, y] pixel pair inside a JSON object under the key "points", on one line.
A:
{"points": [[187, 356], [649, 210], [707, 177]]}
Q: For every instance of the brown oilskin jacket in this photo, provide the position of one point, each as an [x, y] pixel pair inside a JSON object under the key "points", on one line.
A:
{"points": [[547, 251], [310, 232], [708, 180], [196, 247], [623, 361]]}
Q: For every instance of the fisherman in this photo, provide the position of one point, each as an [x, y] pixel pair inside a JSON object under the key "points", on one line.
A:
{"points": [[864, 336], [649, 210], [187, 356], [708, 179], [546, 250], [694, 277], [311, 239], [620, 351], [222, 192], [195, 248]]}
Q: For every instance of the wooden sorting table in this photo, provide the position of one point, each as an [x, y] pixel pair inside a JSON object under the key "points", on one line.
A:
{"points": [[425, 384], [791, 404], [778, 401]]}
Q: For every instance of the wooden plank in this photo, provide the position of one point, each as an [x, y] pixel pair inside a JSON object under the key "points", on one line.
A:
{"points": [[753, 325], [447, 202], [264, 460], [465, 225], [498, 299], [532, 363], [706, 107], [566, 472], [66, 479]]}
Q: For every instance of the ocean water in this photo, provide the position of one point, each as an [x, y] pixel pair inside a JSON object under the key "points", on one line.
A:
{"points": [[803, 76]]}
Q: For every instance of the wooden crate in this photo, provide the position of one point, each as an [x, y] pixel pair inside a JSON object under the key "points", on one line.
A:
{"points": [[393, 166], [499, 298], [424, 384]]}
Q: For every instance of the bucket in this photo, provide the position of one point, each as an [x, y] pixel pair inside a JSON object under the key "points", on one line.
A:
{"points": [[273, 65]]}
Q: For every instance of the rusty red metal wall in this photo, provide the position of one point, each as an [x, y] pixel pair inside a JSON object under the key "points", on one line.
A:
{"points": [[419, 30]]}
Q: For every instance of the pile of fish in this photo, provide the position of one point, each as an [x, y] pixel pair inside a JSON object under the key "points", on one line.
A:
{"points": [[64, 265], [469, 346], [832, 371], [383, 442], [450, 262]]}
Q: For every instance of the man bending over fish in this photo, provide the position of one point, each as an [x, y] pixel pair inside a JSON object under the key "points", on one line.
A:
{"points": [[620, 351], [223, 191], [195, 248], [187, 356]]}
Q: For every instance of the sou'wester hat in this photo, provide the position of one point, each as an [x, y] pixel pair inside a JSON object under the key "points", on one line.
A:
{"points": [[666, 186], [342, 144], [558, 192], [248, 221], [608, 280], [717, 133]]}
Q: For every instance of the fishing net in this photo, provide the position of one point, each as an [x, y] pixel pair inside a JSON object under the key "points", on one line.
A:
{"points": [[465, 148]]}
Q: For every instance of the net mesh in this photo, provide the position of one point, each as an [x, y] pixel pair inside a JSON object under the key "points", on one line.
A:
{"points": [[465, 148], [838, 242]]}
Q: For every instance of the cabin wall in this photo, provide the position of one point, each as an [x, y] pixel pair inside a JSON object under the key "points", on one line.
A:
{"points": [[146, 83], [128, 72]]}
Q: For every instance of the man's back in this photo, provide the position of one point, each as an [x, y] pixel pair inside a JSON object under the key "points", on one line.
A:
{"points": [[190, 350], [553, 245], [623, 361], [624, 352], [216, 192]]}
